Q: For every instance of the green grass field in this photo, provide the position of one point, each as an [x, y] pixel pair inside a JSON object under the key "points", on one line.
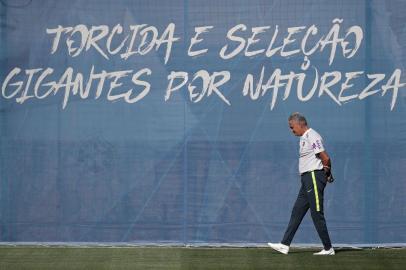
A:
{"points": [[22, 257]]}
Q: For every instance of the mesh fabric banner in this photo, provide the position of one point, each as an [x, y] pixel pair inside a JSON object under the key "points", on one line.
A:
{"points": [[167, 121]]}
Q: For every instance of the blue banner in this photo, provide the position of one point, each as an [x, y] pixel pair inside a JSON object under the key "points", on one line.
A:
{"points": [[167, 121]]}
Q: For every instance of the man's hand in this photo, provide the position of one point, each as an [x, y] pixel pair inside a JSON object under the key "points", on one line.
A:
{"points": [[330, 178], [328, 173], [325, 159]]}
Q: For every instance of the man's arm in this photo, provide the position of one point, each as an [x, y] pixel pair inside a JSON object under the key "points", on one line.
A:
{"points": [[325, 159]]}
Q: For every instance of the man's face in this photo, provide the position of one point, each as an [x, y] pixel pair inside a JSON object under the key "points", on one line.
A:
{"points": [[296, 128]]}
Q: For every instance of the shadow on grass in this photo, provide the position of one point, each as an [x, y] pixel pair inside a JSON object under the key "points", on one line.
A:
{"points": [[343, 250]]}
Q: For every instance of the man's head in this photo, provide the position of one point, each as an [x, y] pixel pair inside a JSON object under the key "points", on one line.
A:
{"points": [[297, 124]]}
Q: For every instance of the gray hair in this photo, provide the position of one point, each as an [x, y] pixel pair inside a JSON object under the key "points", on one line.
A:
{"points": [[298, 118]]}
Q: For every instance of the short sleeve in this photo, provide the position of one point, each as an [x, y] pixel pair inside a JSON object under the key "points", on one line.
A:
{"points": [[316, 142]]}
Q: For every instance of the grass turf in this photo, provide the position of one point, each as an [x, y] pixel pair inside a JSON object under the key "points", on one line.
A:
{"points": [[168, 258]]}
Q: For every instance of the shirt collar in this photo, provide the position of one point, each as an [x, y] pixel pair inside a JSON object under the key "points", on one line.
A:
{"points": [[307, 131]]}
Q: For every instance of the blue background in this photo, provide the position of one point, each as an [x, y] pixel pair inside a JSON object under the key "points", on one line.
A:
{"points": [[189, 173]]}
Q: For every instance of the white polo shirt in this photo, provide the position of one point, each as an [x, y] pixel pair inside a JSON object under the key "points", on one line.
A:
{"points": [[311, 143]]}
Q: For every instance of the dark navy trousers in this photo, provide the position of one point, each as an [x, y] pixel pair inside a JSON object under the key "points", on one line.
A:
{"points": [[310, 196]]}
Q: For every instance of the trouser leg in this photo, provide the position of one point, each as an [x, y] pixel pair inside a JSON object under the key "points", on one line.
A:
{"points": [[315, 182], [298, 212]]}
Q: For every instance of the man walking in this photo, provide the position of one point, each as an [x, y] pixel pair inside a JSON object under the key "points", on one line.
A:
{"points": [[315, 171]]}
